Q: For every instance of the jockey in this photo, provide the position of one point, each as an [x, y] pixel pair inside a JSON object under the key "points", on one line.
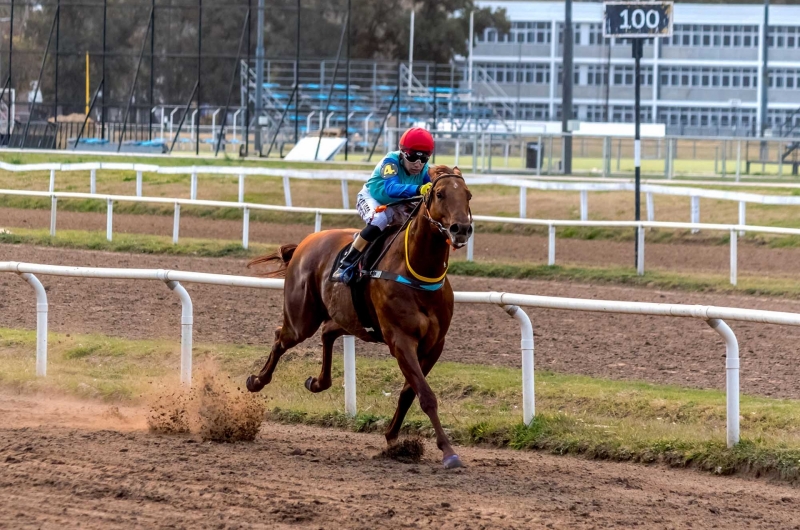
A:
{"points": [[401, 174]]}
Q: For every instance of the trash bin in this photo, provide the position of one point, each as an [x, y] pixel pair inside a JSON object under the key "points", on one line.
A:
{"points": [[532, 155]]}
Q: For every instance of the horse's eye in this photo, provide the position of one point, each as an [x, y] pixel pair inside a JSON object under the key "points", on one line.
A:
{"points": [[439, 195]]}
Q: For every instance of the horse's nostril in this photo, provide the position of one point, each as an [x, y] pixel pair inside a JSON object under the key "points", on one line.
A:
{"points": [[454, 228], [469, 230]]}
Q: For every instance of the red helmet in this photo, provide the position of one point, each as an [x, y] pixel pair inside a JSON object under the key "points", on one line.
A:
{"points": [[417, 139]]}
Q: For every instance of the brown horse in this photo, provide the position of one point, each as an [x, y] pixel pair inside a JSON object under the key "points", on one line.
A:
{"points": [[413, 322]]}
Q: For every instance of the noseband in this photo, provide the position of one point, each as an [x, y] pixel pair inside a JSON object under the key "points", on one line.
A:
{"points": [[428, 199]]}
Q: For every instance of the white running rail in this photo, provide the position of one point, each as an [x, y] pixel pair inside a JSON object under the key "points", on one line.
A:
{"points": [[734, 230], [511, 302], [346, 176]]}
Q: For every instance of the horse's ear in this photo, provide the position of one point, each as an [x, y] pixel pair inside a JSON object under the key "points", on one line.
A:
{"points": [[457, 171]]}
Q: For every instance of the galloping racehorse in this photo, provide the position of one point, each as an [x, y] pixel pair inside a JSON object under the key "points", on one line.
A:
{"points": [[411, 302]]}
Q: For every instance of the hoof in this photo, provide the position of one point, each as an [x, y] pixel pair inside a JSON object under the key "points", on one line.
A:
{"points": [[308, 383], [452, 462], [253, 384]]}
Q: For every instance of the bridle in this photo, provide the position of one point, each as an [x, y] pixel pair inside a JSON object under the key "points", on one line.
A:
{"points": [[428, 200]]}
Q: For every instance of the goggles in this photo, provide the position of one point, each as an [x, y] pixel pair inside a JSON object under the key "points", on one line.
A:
{"points": [[413, 156]]}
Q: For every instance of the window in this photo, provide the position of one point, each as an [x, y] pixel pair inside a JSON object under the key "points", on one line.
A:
{"points": [[784, 78], [784, 37], [716, 36], [623, 75], [530, 73], [685, 76]]}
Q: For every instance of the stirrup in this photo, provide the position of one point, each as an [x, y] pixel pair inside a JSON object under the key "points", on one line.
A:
{"points": [[346, 271]]}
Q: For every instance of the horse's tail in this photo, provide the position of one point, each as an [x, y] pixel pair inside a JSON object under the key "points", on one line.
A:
{"points": [[283, 256]]}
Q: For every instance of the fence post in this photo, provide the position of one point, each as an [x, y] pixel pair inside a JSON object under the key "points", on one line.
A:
{"points": [[287, 191], [651, 212], [93, 181], [349, 375], [550, 157], [187, 322], [640, 256], [526, 347], [176, 223], [471, 245], [458, 150], [484, 166], [724, 158], [716, 159], [193, 192], [742, 215], [345, 195], [731, 379], [317, 222], [695, 212], [738, 159], [52, 180], [138, 183], [551, 245], [780, 161], [109, 219], [241, 187], [619, 154], [734, 261], [475, 152], [606, 156], [246, 228], [584, 205], [539, 156], [53, 210], [41, 322], [523, 202]]}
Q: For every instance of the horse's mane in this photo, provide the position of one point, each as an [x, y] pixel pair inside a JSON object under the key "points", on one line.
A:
{"points": [[439, 170]]}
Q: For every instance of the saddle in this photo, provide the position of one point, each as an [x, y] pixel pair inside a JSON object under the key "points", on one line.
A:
{"points": [[366, 263]]}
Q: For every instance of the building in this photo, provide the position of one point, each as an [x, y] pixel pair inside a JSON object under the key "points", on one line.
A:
{"points": [[704, 79]]}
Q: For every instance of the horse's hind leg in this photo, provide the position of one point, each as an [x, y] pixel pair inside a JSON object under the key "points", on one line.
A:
{"points": [[330, 332], [407, 395], [297, 327]]}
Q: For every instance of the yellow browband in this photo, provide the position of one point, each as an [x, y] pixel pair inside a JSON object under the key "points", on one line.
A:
{"points": [[414, 273]]}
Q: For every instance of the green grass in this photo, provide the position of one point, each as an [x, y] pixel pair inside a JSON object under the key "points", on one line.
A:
{"points": [[150, 244], [135, 243], [696, 282], [179, 159], [604, 419]]}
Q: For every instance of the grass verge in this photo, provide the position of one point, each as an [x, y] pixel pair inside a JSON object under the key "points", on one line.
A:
{"points": [[134, 243], [603, 419], [696, 282], [150, 244], [177, 160]]}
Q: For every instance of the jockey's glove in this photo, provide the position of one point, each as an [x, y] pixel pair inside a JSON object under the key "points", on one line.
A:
{"points": [[424, 189]]}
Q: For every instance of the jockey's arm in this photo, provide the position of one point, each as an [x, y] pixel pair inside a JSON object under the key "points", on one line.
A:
{"points": [[392, 185]]}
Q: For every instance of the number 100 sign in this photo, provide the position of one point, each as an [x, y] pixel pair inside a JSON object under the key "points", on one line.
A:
{"points": [[637, 19]]}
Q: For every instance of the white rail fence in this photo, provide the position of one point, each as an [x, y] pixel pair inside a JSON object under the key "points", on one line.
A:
{"points": [[346, 176], [734, 230], [714, 316]]}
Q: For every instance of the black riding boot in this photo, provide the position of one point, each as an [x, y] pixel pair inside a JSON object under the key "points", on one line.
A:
{"points": [[346, 271]]}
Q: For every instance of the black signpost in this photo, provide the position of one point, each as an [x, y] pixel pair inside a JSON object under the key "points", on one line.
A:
{"points": [[637, 21]]}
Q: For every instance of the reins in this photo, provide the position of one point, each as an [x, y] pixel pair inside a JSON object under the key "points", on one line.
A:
{"points": [[427, 199]]}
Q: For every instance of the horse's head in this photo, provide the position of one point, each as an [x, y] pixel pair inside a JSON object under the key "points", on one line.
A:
{"points": [[448, 204]]}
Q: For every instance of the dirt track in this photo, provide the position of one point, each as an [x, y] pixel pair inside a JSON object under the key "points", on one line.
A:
{"points": [[686, 257], [663, 350], [94, 467]]}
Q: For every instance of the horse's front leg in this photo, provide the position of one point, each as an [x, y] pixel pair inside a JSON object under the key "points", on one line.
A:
{"points": [[330, 332], [407, 395], [404, 349]]}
